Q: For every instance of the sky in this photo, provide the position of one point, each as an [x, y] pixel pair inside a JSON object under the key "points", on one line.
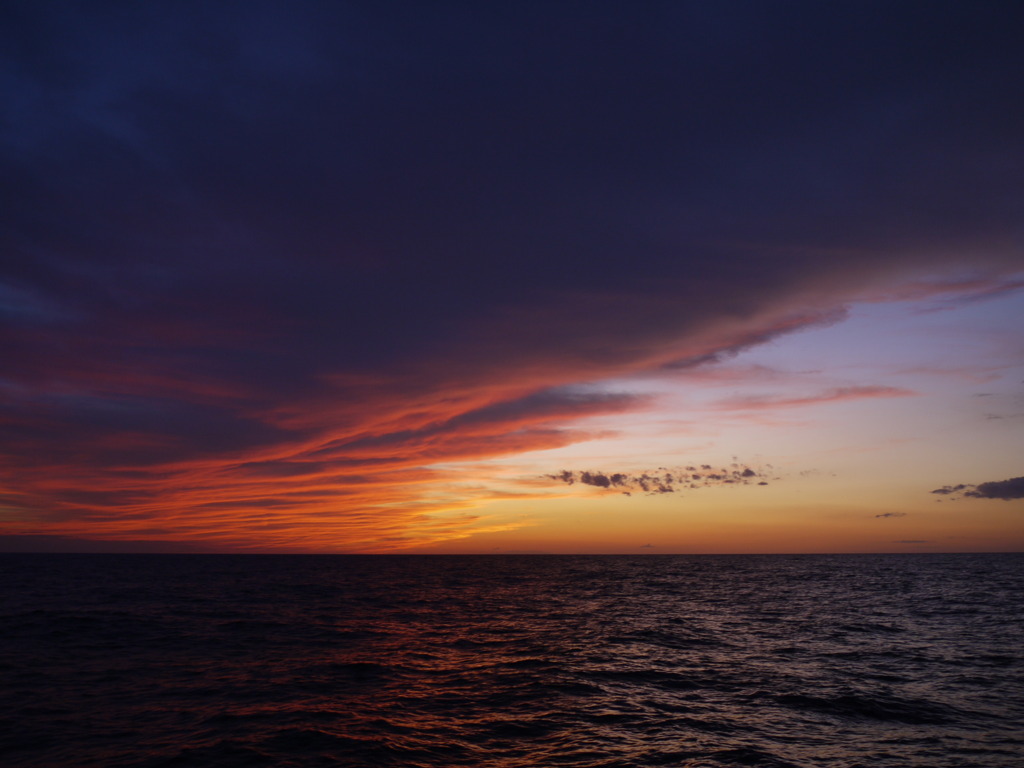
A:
{"points": [[560, 277]]}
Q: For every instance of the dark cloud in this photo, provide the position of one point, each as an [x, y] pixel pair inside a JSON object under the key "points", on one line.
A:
{"points": [[727, 351], [285, 235], [948, 490], [1006, 490], [67, 544], [892, 514], [662, 480], [999, 489], [102, 429]]}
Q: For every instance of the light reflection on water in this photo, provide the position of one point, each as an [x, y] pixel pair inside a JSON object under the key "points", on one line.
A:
{"points": [[512, 661]]}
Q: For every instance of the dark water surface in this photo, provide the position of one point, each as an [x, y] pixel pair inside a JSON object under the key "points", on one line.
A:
{"points": [[193, 660]]}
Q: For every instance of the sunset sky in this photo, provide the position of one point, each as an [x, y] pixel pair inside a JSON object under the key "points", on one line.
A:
{"points": [[645, 277]]}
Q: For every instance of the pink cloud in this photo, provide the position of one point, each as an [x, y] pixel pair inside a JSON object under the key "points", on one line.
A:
{"points": [[836, 395]]}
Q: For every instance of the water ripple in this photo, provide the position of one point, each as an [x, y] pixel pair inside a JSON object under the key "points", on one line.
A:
{"points": [[512, 662]]}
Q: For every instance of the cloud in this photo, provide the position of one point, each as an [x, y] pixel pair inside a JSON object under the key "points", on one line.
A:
{"points": [[54, 544], [950, 292], [951, 296], [999, 489], [663, 480], [1006, 490], [948, 490], [892, 514], [838, 394], [796, 321]]}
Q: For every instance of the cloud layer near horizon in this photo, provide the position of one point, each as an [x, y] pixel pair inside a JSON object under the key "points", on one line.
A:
{"points": [[266, 264]]}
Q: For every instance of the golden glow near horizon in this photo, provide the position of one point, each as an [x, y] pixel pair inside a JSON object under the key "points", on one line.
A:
{"points": [[854, 424]]}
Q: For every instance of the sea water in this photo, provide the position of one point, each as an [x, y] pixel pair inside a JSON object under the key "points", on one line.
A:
{"points": [[512, 661]]}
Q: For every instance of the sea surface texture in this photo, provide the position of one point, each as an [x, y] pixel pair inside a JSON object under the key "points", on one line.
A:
{"points": [[191, 660]]}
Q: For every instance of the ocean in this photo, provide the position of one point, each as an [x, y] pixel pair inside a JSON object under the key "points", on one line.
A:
{"points": [[838, 661]]}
